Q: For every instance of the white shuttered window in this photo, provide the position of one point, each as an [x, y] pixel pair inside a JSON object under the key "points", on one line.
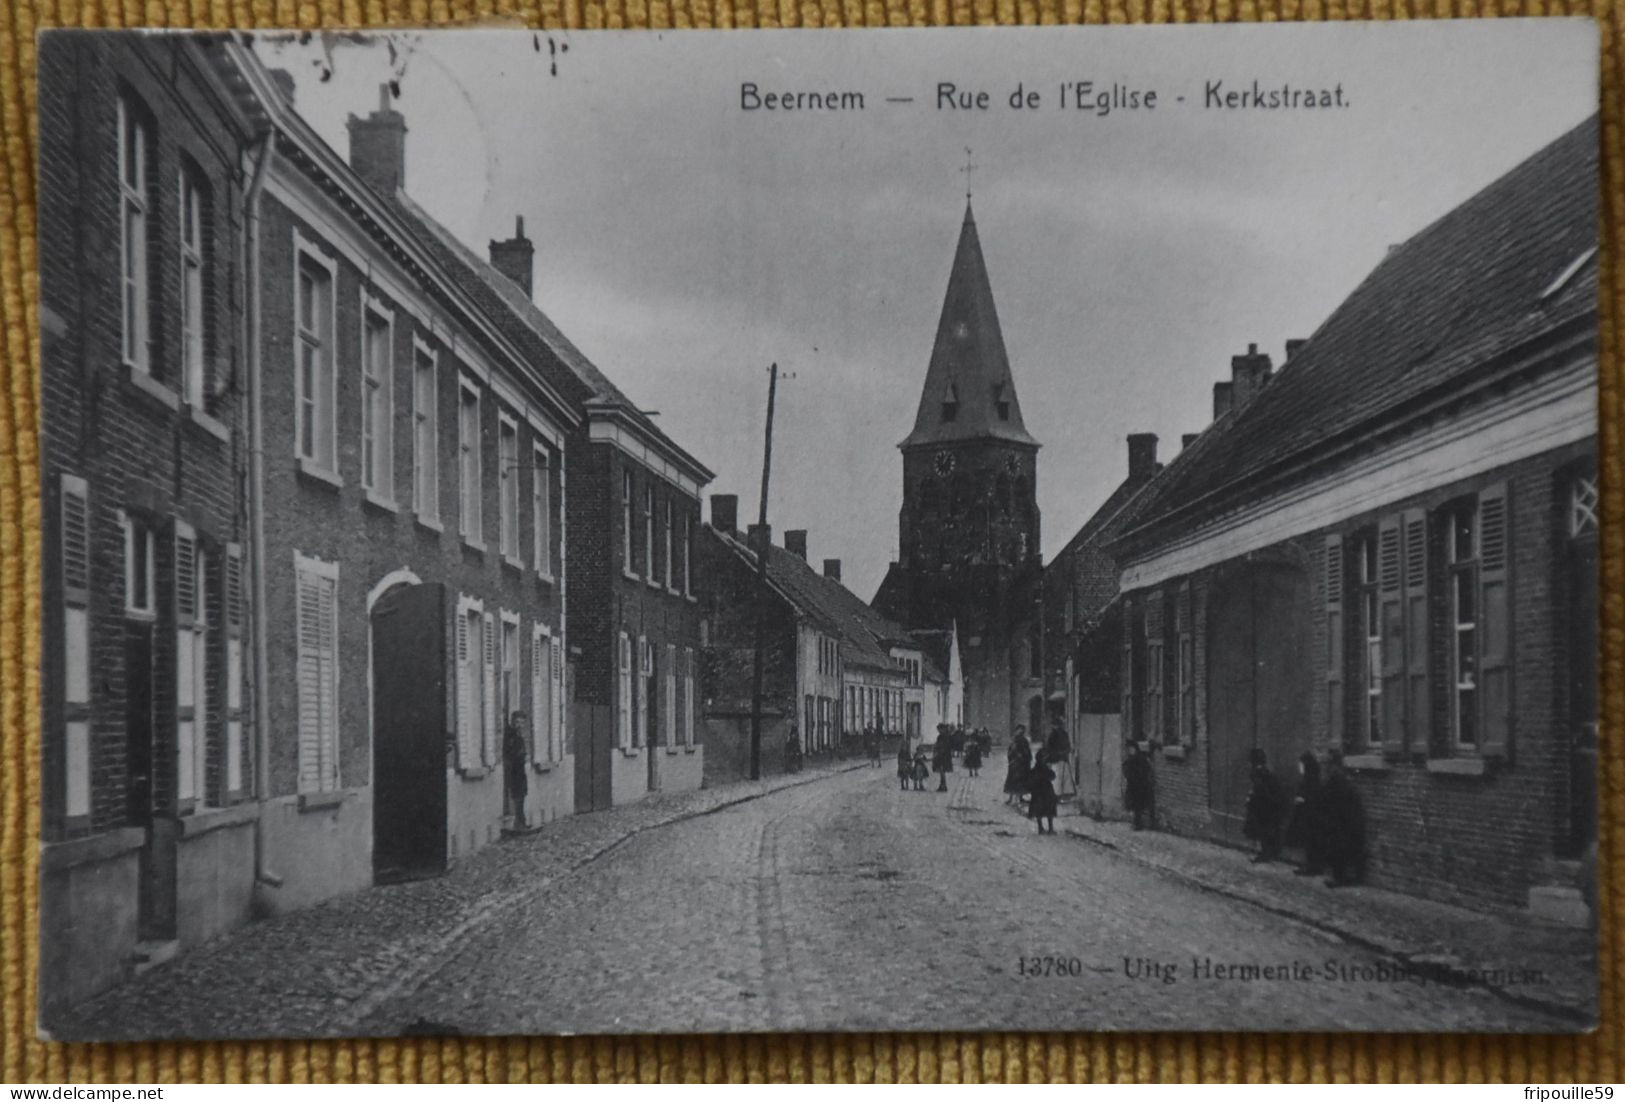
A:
{"points": [[624, 692], [76, 646], [317, 673], [491, 747], [470, 683], [541, 695]]}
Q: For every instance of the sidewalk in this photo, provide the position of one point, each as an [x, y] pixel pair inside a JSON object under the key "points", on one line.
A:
{"points": [[1550, 968], [321, 971]]}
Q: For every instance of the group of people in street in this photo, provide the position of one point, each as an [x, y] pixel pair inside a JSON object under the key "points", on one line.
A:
{"points": [[913, 766], [1325, 817], [1032, 775]]}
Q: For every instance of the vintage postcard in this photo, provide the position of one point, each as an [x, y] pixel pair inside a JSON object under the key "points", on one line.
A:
{"points": [[963, 529]]}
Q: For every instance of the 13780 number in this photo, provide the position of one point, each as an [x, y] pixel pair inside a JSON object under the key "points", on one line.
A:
{"points": [[1049, 966]]}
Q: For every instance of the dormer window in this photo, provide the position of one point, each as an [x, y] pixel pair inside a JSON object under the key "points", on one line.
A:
{"points": [[1001, 404], [950, 403]]}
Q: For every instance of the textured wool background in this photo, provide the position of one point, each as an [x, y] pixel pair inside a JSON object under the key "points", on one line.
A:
{"points": [[862, 1058]]}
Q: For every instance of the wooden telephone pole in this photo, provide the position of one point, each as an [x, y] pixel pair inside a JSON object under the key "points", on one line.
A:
{"points": [[763, 549]]}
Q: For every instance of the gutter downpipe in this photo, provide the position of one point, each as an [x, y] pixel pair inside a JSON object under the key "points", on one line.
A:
{"points": [[256, 498]]}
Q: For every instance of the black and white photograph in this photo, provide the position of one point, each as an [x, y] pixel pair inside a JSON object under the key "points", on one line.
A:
{"points": [[622, 532]]}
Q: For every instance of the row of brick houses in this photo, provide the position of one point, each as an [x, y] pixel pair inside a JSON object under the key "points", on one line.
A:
{"points": [[328, 501], [1387, 546], [832, 667]]}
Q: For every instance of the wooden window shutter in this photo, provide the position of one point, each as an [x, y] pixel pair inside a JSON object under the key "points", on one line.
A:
{"points": [[234, 667], [1391, 614], [540, 738], [329, 666], [308, 643], [557, 656], [186, 595], [1418, 705], [75, 541], [492, 745], [1495, 622], [624, 725], [466, 724], [76, 647], [1336, 712], [669, 720]]}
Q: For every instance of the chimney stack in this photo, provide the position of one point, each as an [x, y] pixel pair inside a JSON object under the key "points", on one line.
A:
{"points": [[378, 146], [1142, 454], [1223, 399], [725, 512], [1293, 345], [1187, 440], [759, 537], [515, 257], [795, 542], [832, 569], [1248, 374]]}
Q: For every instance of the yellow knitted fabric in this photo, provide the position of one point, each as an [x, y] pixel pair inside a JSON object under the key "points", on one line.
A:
{"points": [[861, 1058]]}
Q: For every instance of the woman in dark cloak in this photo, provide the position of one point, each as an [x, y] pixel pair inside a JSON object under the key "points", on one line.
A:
{"points": [[1041, 785], [973, 757], [1019, 758], [1266, 809], [1342, 824], [1305, 830]]}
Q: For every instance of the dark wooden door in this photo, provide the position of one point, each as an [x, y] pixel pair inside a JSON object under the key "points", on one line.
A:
{"points": [[409, 733], [1259, 683], [594, 729]]}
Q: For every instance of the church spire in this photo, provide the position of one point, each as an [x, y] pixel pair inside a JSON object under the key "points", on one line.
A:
{"points": [[969, 392]]}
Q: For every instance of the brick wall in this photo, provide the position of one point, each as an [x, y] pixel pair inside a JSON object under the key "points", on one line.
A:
{"points": [[138, 447], [374, 535], [1486, 836]]}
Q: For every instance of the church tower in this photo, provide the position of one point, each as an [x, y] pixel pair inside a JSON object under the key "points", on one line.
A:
{"points": [[969, 525]]}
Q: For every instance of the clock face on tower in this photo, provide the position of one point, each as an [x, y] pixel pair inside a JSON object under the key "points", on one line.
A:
{"points": [[1012, 465], [944, 463]]}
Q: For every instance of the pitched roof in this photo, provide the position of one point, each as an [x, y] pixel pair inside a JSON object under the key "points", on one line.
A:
{"points": [[525, 323], [969, 366], [864, 633], [1512, 264]]}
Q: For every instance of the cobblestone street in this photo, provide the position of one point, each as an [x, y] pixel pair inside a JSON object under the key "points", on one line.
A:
{"points": [[823, 901], [847, 904]]}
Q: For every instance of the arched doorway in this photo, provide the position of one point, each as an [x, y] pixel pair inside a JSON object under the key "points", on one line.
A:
{"points": [[1260, 681], [408, 623]]}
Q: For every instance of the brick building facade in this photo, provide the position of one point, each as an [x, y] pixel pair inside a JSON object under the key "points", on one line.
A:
{"points": [[1389, 547], [832, 667], [632, 516], [414, 579], [147, 773]]}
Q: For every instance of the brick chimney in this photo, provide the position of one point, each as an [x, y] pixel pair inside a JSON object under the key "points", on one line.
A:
{"points": [[725, 512], [832, 569], [1187, 440], [1293, 345], [515, 257], [759, 537], [1142, 454], [795, 542], [378, 146], [1223, 399], [1248, 374]]}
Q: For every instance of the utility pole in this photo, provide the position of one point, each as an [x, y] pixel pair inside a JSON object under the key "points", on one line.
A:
{"points": [[763, 549]]}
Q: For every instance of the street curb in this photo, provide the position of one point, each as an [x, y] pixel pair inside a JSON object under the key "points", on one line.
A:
{"points": [[434, 957], [1433, 971]]}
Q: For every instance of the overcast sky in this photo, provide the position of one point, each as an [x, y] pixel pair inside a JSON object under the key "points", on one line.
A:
{"points": [[684, 244]]}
